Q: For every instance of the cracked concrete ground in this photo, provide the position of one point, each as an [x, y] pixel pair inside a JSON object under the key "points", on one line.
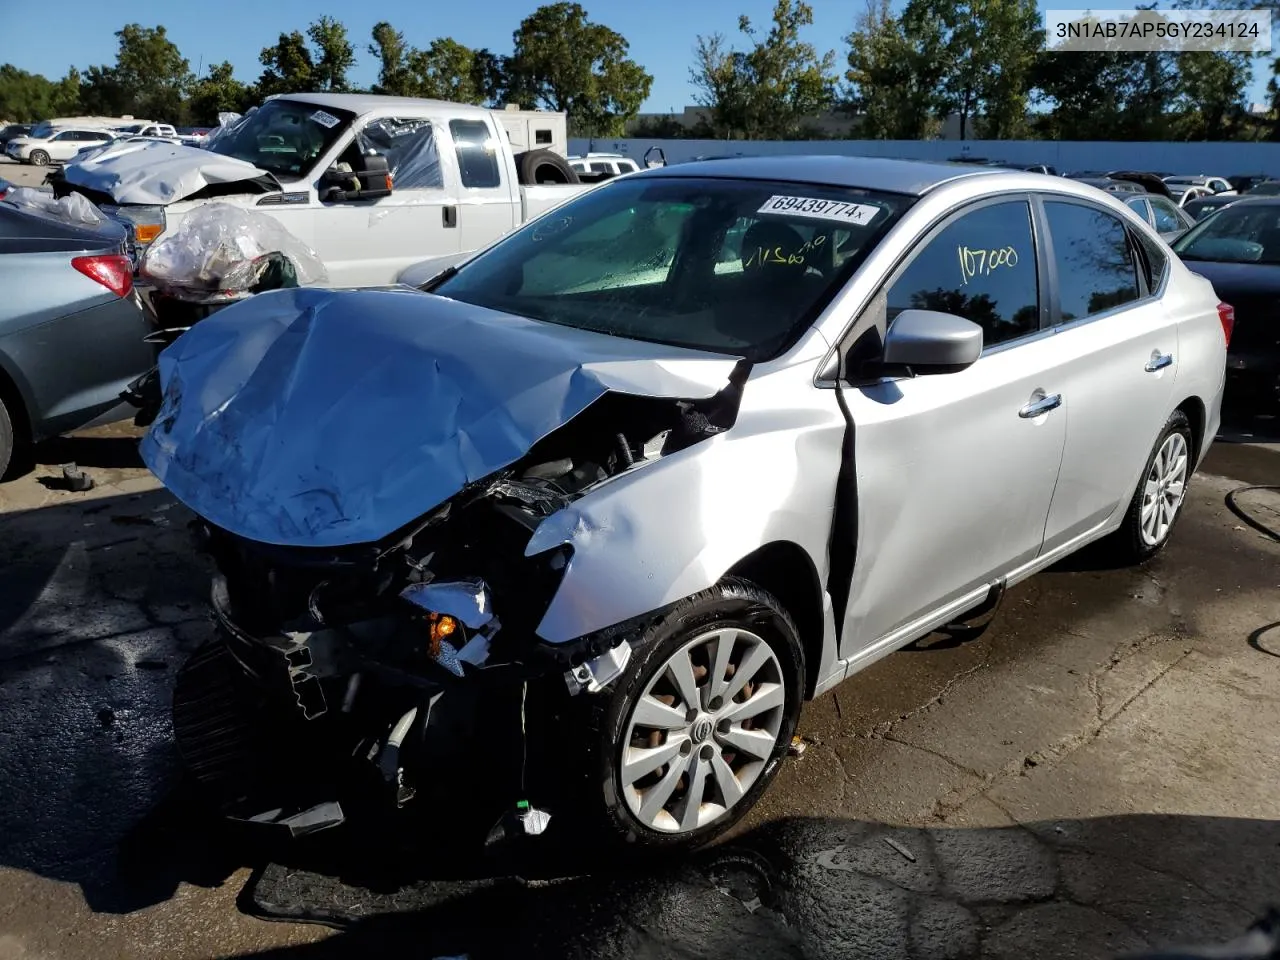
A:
{"points": [[1094, 772]]}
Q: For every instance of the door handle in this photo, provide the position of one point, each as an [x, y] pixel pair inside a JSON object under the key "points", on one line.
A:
{"points": [[450, 215], [1040, 405], [1158, 361]]}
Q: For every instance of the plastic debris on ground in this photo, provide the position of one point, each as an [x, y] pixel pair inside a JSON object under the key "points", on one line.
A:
{"points": [[222, 248], [798, 747], [75, 208]]}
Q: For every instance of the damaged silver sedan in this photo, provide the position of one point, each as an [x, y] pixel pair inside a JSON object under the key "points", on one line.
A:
{"points": [[634, 482]]}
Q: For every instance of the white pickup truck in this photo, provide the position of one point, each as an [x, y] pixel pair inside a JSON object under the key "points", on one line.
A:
{"points": [[372, 184]]}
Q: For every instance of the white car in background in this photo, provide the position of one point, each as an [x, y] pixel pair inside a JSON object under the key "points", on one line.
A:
{"points": [[1212, 184], [43, 147], [602, 166]]}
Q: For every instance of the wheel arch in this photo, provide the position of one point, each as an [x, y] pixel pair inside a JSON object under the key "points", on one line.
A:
{"points": [[1195, 412], [15, 401], [784, 569]]}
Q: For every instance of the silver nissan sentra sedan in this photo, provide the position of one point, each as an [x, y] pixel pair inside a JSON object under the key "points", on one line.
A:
{"points": [[657, 467]]}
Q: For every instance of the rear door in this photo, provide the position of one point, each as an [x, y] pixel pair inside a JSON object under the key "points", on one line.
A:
{"points": [[488, 204], [1118, 346]]}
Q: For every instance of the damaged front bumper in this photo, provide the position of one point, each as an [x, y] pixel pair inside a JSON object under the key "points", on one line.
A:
{"points": [[292, 729]]}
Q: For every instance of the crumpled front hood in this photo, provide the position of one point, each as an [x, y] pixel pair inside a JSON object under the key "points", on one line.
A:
{"points": [[321, 418], [155, 172]]}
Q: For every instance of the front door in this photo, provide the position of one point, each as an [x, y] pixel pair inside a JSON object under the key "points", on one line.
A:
{"points": [[365, 242], [1118, 346], [955, 472]]}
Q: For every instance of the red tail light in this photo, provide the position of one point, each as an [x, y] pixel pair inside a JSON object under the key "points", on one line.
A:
{"points": [[112, 271], [1227, 315]]}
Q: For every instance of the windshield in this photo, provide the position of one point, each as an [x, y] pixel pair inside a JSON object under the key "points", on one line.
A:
{"points": [[1235, 234], [1268, 188], [42, 131], [284, 137], [731, 266]]}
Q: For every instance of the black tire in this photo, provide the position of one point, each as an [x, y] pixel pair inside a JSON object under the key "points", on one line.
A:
{"points": [[730, 603], [543, 166], [1128, 545], [6, 440], [39, 158]]}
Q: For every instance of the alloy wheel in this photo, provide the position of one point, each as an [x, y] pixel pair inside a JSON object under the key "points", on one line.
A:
{"points": [[1166, 485], [702, 732]]}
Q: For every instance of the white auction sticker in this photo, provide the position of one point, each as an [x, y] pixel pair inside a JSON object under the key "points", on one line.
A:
{"points": [[326, 120], [859, 214]]}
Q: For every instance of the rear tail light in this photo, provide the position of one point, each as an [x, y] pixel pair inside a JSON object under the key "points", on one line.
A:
{"points": [[1227, 316], [111, 270]]}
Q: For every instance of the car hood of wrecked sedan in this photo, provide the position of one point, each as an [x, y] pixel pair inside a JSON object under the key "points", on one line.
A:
{"points": [[324, 418]]}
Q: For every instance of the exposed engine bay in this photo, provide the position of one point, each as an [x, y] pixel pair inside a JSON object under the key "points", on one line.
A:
{"points": [[395, 654]]}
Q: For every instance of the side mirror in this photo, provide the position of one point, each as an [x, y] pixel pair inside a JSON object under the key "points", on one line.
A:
{"points": [[929, 342], [368, 179], [660, 161]]}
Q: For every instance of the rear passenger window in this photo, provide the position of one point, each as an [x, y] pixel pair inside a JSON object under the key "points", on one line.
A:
{"points": [[1096, 268], [981, 267], [477, 153], [1156, 262], [1167, 219]]}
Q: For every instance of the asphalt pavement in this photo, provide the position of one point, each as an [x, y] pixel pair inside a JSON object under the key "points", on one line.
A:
{"points": [[22, 174], [1093, 773]]}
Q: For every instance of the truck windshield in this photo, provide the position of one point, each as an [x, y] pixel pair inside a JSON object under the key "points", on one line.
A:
{"points": [[284, 137], [732, 266]]}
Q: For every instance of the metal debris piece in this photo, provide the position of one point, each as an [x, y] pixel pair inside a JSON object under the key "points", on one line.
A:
{"points": [[900, 848], [798, 747], [594, 675]]}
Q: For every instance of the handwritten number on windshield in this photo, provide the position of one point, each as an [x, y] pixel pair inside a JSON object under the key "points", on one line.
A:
{"points": [[764, 255], [983, 263]]}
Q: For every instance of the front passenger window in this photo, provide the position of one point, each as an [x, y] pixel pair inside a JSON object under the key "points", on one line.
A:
{"points": [[982, 267], [1096, 268]]}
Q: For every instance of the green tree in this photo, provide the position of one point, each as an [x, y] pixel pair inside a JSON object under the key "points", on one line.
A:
{"points": [[772, 89], [150, 77], [447, 70], [334, 55], [987, 59], [563, 61], [218, 92], [64, 101], [28, 96], [389, 46], [666, 127], [151, 72], [895, 74], [289, 67], [1211, 94], [102, 94]]}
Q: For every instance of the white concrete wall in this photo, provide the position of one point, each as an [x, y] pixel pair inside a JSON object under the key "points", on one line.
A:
{"points": [[1222, 159]]}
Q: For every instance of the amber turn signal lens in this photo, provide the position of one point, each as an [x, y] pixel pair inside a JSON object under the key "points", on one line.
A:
{"points": [[147, 232]]}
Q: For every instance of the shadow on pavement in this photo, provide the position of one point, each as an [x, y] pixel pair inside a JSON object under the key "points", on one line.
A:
{"points": [[101, 599], [817, 888], [89, 451]]}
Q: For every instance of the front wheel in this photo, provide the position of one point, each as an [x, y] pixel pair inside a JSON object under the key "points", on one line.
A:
{"points": [[1157, 503], [39, 158], [692, 734], [6, 440]]}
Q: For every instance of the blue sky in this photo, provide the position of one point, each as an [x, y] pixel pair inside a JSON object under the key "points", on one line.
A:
{"points": [[661, 32]]}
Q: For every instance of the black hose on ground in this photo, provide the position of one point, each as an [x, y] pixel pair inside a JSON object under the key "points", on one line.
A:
{"points": [[1244, 515]]}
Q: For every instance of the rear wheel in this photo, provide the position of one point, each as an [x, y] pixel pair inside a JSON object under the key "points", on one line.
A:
{"points": [[39, 158], [1157, 503], [692, 734]]}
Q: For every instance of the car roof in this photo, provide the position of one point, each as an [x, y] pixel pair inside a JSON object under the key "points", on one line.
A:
{"points": [[913, 177], [362, 103]]}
